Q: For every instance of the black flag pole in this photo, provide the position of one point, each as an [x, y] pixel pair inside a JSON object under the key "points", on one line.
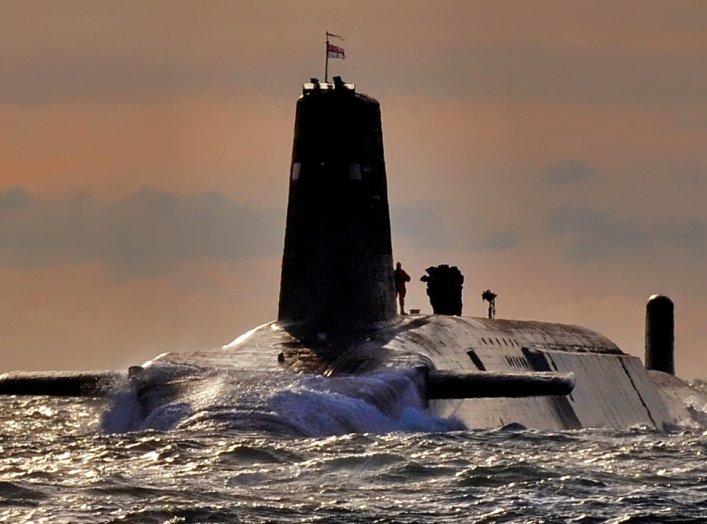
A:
{"points": [[326, 60]]}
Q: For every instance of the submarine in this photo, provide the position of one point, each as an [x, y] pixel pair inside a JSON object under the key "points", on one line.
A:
{"points": [[337, 315]]}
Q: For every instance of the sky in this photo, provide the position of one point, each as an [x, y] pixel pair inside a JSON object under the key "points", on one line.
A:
{"points": [[553, 150]]}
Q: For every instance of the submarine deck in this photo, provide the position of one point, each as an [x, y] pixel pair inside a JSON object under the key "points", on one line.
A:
{"points": [[438, 337]]}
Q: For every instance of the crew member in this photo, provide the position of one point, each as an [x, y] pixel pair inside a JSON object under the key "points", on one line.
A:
{"points": [[401, 277]]}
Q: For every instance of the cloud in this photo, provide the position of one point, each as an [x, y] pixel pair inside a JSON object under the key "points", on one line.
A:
{"points": [[499, 241], [433, 226], [422, 223], [569, 172], [147, 232], [595, 234], [14, 198], [691, 234]]}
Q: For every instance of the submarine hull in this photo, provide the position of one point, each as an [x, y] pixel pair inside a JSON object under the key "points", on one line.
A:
{"points": [[487, 353], [483, 373]]}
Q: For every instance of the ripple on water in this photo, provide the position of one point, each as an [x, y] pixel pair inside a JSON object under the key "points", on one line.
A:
{"points": [[503, 475], [19, 493], [247, 455], [62, 470]]}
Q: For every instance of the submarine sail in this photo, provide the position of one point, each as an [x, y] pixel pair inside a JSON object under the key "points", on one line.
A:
{"points": [[337, 263]]}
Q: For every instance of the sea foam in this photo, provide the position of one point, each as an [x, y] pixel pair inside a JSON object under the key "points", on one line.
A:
{"points": [[279, 403]]}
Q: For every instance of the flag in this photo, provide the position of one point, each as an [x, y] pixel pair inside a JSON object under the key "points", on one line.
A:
{"points": [[335, 36], [333, 51]]}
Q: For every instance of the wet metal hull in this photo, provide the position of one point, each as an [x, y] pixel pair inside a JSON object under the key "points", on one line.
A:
{"points": [[611, 389]]}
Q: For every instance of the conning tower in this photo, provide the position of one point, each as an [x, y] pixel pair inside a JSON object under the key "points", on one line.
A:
{"points": [[337, 276]]}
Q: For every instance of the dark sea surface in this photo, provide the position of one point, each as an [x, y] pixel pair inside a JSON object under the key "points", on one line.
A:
{"points": [[62, 460]]}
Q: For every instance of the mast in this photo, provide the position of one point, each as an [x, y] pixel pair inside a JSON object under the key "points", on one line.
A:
{"points": [[326, 59]]}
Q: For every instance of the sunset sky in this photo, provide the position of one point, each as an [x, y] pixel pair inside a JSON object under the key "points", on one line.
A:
{"points": [[556, 151]]}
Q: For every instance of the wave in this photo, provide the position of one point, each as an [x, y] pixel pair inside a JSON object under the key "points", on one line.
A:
{"points": [[175, 397]]}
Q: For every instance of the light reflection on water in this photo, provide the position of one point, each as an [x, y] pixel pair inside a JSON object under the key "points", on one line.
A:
{"points": [[56, 466]]}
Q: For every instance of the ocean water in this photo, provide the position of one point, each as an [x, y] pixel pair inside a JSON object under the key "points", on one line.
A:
{"points": [[240, 449]]}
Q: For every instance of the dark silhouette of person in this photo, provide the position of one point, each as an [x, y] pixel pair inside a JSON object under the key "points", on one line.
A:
{"points": [[401, 277]]}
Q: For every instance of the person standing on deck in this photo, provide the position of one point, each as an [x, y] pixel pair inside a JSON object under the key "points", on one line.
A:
{"points": [[401, 277]]}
